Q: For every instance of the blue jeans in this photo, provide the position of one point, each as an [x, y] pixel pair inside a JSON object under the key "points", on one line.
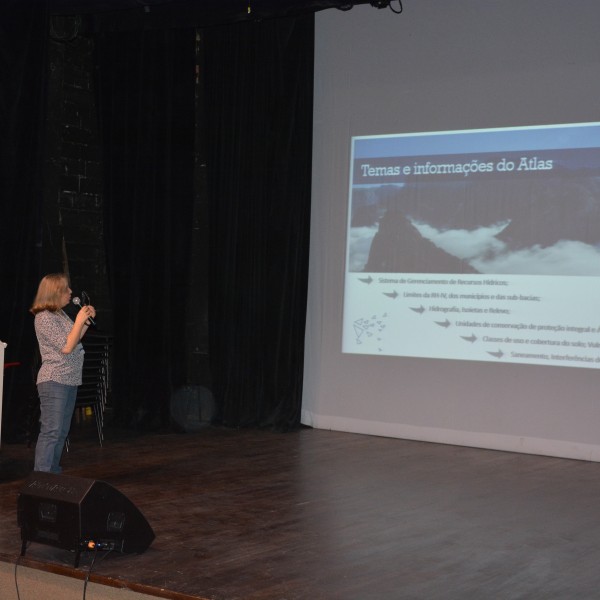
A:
{"points": [[57, 402]]}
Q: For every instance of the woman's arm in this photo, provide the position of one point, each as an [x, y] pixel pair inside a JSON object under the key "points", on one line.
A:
{"points": [[80, 326]]}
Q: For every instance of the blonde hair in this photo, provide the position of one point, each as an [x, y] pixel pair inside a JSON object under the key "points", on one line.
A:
{"points": [[49, 294]]}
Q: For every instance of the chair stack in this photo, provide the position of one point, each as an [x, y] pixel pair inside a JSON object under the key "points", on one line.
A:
{"points": [[93, 392]]}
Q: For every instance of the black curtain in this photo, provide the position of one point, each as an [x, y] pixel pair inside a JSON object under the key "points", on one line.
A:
{"points": [[259, 82], [23, 81], [146, 104], [258, 95]]}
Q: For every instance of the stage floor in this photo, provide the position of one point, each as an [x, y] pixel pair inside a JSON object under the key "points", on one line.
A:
{"points": [[309, 515]]}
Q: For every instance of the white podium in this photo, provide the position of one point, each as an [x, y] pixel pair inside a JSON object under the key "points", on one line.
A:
{"points": [[2, 346]]}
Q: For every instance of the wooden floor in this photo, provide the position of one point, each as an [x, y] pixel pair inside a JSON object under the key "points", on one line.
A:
{"points": [[323, 515]]}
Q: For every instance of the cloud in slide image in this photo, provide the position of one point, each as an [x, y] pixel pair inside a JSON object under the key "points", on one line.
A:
{"points": [[360, 243], [485, 252]]}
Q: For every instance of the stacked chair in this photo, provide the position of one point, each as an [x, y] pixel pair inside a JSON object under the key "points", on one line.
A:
{"points": [[93, 392]]}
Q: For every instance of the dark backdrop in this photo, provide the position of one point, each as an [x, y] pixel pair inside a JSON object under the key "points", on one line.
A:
{"points": [[23, 82], [145, 88], [258, 112], [259, 107]]}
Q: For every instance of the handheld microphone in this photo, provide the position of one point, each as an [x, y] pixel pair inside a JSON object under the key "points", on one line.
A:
{"points": [[77, 302]]}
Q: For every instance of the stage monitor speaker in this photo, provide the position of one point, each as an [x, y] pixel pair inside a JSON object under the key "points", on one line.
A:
{"points": [[78, 514]]}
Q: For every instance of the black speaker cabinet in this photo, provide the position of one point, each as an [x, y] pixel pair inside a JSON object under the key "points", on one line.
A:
{"points": [[79, 514]]}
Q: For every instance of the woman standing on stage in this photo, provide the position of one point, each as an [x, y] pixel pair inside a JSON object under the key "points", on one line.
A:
{"points": [[62, 354]]}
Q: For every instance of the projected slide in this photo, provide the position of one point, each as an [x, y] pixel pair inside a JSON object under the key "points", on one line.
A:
{"points": [[476, 245]]}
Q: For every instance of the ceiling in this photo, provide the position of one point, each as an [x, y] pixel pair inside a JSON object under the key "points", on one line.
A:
{"points": [[125, 14]]}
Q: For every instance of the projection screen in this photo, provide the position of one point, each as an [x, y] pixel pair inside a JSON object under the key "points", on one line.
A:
{"points": [[455, 228]]}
